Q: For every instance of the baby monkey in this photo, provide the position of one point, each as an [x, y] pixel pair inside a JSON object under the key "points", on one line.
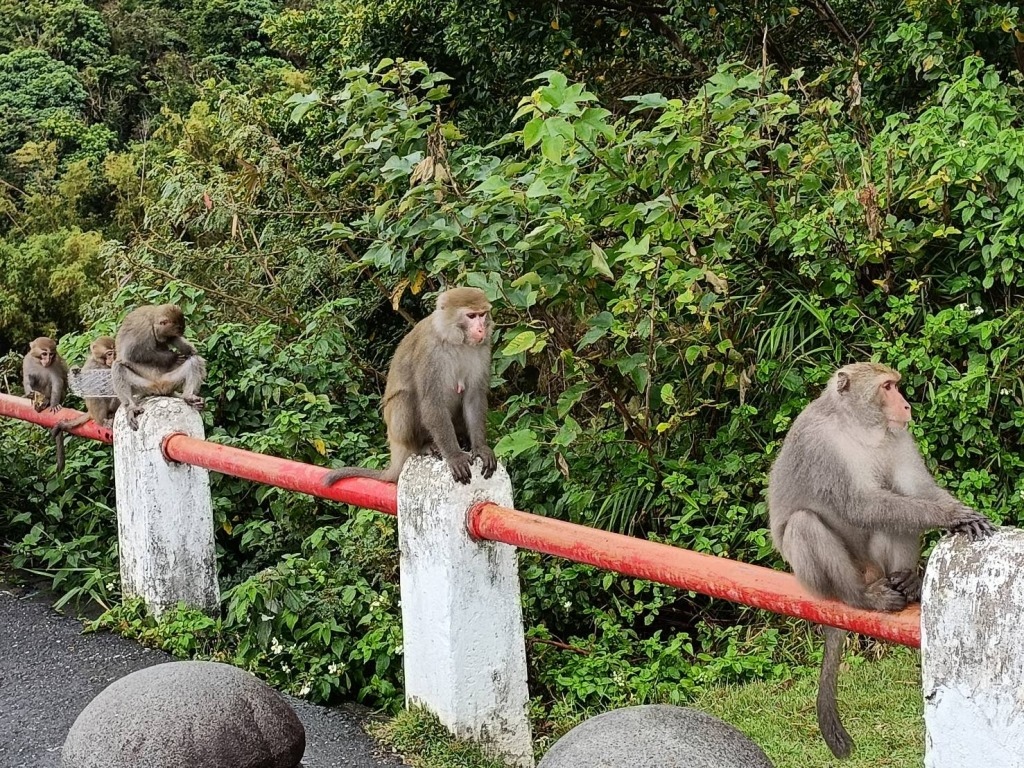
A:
{"points": [[44, 374], [98, 409], [848, 499], [435, 399]]}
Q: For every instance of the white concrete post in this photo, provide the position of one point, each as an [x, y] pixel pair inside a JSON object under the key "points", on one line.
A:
{"points": [[164, 512], [462, 621], [972, 652]]}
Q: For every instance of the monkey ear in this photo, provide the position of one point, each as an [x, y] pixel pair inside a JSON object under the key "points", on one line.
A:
{"points": [[842, 381]]}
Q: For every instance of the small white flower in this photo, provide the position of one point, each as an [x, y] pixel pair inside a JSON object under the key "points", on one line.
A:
{"points": [[285, 668], [398, 649], [567, 604], [333, 669], [275, 645], [961, 307], [1004, 391], [978, 311], [304, 690], [110, 586]]}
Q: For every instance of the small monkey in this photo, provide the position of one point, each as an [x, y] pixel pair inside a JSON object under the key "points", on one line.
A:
{"points": [[848, 499], [44, 374], [98, 409], [435, 399], [154, 358]]}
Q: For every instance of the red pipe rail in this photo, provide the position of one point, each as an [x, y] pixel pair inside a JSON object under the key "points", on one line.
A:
{"points": [[676, 567], [639, 558], [21, 408]]}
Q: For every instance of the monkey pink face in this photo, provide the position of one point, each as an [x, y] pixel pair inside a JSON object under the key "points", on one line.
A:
{"points": [[474, 323], [46, 356], [895, 408]]}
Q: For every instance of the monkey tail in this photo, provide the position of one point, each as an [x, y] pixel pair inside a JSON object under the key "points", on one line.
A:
{"points": [[832, 730], [57, 433], [374, 474], [58, 449]]}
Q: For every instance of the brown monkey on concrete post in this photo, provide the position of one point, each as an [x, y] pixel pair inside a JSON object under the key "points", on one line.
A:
{"points": [[98, 409], [848, 499], [436, 393], [154, 358], [44, 374]]}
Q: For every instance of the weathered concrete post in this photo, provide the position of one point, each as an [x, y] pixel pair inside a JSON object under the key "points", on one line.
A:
{"points": [[462, 622], [972, 652], [164, 512]]}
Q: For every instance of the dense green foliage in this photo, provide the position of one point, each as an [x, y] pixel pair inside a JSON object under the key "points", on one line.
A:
{"points": [[685, 223]]}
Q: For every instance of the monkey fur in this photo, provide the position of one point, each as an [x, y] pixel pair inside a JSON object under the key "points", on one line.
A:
{"points": [[154, 358], [45, 378], [848, 499], [435, 400], [98, 409]]}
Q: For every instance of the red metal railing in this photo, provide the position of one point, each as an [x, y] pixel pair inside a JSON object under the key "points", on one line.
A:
{"points": [[715, 576]]}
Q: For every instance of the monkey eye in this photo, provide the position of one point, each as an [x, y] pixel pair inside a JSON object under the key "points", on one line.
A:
{"points": [[887, 386]]}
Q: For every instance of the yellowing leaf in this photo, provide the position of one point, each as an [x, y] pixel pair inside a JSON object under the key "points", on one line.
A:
{"points": [[520, 343], [1007, 25], [512, 16], [417, 282], [1019, 35], [793, 10], [320, 447], [227, 526], [712, 11], [554, 24], [396, 295], [623, 32]]}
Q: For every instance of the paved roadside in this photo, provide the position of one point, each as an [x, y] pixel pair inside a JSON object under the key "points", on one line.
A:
{"points": [[49, 671]]}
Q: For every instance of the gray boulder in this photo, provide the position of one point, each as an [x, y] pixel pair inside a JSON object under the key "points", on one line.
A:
{"points": [[186, 714], [655, 736]]}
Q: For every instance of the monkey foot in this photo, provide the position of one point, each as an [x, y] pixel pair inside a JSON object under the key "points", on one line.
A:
{"points": [[907, 583], [195, 401], [883, 597], [133, 416]]}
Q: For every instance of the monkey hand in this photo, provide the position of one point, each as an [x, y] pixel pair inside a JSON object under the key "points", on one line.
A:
{"points": [[489, 462], [462, 467], [55, 408], [974, 524]]}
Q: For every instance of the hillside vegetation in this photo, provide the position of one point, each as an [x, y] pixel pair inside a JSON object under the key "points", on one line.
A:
{"points": [[686, 215]]}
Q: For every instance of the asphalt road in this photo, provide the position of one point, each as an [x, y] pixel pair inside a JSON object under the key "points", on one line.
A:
{"points": [[49, 671]]}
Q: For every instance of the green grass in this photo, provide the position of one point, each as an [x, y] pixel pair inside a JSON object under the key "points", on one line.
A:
{"points": [[879, 701], [423, 742]]}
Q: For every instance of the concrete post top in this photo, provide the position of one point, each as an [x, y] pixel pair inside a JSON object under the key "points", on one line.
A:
{"points": [[161, 417], [430, 480]]}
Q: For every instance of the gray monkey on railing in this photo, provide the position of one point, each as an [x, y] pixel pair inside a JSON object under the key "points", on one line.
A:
{"points": [[436, 394], [848, 499]]}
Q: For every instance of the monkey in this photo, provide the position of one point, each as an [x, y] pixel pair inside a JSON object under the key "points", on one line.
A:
{"points": [[44, 375], [435, 398], [154, 358], [98, 409], [849, 496]]}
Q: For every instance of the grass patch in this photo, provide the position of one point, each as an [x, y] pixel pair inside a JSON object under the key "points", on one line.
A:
{"points": [[423, 742], [879, 701]]}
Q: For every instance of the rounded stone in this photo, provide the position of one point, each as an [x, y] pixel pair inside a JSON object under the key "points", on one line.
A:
{"points": [[184, 714], [655, 736]]}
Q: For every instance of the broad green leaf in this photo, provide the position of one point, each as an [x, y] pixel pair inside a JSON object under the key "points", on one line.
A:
{"points": [[520, 343]]}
